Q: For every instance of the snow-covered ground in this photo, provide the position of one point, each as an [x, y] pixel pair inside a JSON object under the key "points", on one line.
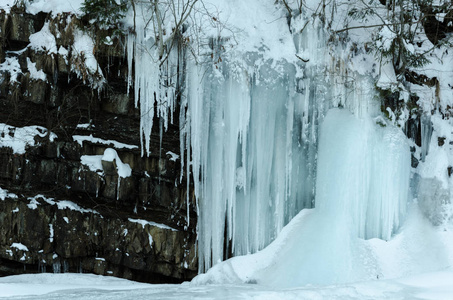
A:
{"points": [[434, 285]]}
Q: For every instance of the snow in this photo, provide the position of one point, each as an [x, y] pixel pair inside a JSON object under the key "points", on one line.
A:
{"points": [[51, 233], [150, 223], [433, 285], [34, 73], [11, 65], [66, 204], [51, 285], [54, 6], [61, 204], [93, 162], [83, 126], [34, 202], [173, 156], [90, 138], [43, 40], [84, 63], [386, 37], [6, 5], [250, 136], [18, 138], [387, 79], [4, 194], [124, 170], [19, 246]]}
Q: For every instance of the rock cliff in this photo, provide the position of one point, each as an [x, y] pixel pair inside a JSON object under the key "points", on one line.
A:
{"points": [[65, 203]]}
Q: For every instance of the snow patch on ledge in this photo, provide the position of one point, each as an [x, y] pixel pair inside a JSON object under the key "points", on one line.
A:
{"points": [[19, 246], [90, 138], [173, 156], [34, 73], [66, 204], [18, 138], [4, 194], [93, 162], [62, 204], [124, 170], [11, 65], [43, 40], [144, 222], [84, 63]]}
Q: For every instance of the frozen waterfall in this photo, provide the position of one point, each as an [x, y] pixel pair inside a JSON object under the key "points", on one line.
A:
{"points": [[361, 193], [249, 128]]}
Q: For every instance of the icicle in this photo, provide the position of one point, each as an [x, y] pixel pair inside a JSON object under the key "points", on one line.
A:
{"points": [[426, 132], [130, 56]]}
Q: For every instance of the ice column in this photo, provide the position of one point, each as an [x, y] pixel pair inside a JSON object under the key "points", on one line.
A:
{"points": [[248, 130], [363, 174]]}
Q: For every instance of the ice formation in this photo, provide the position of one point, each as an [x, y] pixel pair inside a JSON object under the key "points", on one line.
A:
{"points": [[249, 135], [361, 193], [363, 175], [251, 100]]}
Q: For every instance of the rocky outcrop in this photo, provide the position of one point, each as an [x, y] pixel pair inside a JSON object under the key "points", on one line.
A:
{"points": [[39, 234], [80, 112]]}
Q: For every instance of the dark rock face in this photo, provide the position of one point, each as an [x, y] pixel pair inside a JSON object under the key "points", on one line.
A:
{"points": [[96, 229]]}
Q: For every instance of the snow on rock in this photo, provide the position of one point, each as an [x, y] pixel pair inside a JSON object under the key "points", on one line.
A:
{"points": [[66, 204], [90, 138], [438, 158], [84, 62], [34, 73], [145, 222], [124, 170], [18, 138], [11, 65], [96, 164], [4, 194], [173, 156], [7, 4], [83, 126], [34, 202], [61, 204], [93, 162], [19, 246], [51, 233], [43, 40]]}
